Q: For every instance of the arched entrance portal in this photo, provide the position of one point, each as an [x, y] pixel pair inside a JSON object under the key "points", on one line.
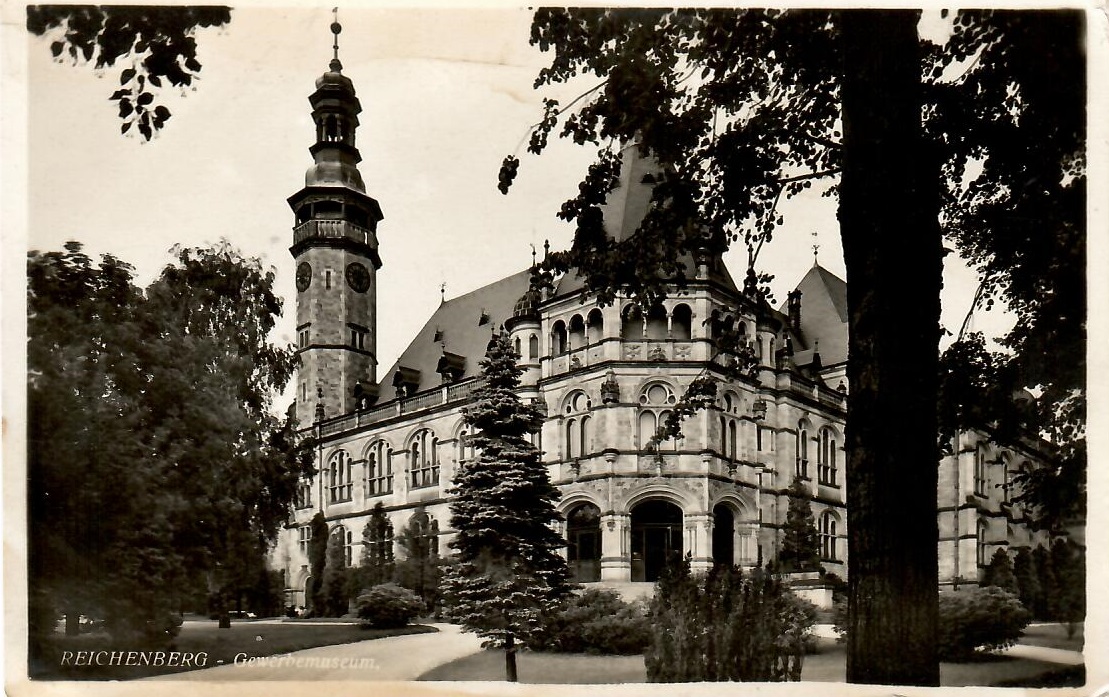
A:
{"points": [[583, 535], [656, 537], [723, 536]]}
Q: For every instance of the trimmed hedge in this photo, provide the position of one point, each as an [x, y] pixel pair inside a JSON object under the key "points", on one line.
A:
{"points": [[597, 621], [388, 606], [976, 618]]}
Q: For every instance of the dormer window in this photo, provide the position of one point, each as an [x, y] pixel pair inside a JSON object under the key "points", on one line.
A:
{"points": [[406, 381], [484, 318]]}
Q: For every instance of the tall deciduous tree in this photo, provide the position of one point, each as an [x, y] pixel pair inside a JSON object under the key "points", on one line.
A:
{"points": [[317, 562], [154, 44], [153, 455], [746, 108], [507, 572]]}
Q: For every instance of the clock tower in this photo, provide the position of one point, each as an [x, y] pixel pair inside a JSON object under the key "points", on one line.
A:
{"points": [[335, 249]]}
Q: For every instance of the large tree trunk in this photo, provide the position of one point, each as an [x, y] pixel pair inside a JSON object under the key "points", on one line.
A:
{"points": [[892, 249]]}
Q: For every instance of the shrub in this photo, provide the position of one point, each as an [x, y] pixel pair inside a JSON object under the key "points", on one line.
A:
{"points": [[598, 621], [388, 606], [726, 626], [979, 618]]}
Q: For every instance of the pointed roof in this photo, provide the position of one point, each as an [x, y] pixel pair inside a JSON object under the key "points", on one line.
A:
{"points": [[824, 314], [457, 327]]}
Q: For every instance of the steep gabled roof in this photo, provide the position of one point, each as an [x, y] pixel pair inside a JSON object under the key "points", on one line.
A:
{"points": [[457, 327], [824, 314]]}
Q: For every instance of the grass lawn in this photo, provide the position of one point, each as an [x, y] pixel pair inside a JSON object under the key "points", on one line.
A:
{"points": [[1052, 636], [220, 645], [828, 665]]}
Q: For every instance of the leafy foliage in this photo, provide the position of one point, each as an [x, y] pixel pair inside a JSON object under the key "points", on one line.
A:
{"points": [[596, 621], [507, 573], [1027, 580], [155, 44], [726, 626], [979, 618], [800, 545], [388, 606], [131, 510]]}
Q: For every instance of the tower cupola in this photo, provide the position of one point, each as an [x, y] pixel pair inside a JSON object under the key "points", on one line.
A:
{"points": [[335, 110]]}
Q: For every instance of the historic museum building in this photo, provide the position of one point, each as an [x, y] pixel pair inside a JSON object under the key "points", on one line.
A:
{"points": [[606, 376]]}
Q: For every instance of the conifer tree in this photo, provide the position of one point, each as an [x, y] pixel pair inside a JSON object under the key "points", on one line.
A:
{"points": [[334, 592], [800, 546], [508, 572], [1047, 608], [1000, 572], [1028, 583], [419, 570], [376, 563], [317, 560]]}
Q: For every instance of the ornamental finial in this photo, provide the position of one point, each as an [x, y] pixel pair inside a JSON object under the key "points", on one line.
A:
{"points": [[336, 28]]}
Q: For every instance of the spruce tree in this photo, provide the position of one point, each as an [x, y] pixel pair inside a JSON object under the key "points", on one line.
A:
{"points": [[419, 570], [334, 591], [508, 572], [800, 546]]}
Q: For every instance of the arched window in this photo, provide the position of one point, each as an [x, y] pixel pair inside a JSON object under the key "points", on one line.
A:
{"points": [[465, 446], [654, 402], [577, 333], [517, 346], [802, 468], [827, 535], [577, 429], [423, 463], [631, 323], [681, 325], [595, 326], [345, 539], [422, 536], [533, 347], [729, 445], [338, 478], [828, 469], [304, 494], [656, 323], [379, 469], [558, 338]]}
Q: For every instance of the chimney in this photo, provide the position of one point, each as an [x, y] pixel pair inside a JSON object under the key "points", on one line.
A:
{"points": [[793, 309]]}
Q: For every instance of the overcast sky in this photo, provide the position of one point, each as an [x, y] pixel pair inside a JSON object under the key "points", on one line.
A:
{"points": [[446, 94]]}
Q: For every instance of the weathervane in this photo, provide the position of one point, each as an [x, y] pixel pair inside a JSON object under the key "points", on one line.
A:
{"points": [[533, 255], [443, 292], [815, 249]]}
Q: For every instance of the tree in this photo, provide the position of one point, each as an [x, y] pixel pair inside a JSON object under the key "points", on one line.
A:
{"points": [[376, 564], [419, 570], [1028, 583], [745, 108], [999, 572], [800, 546], [1048, 607], [317, 562], [155, 44], [508, 572], [128, 508], [1069, 562], [335, 580]]}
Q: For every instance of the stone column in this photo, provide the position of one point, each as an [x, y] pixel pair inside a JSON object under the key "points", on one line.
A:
{"points": [[698, 541], [615, 543]]}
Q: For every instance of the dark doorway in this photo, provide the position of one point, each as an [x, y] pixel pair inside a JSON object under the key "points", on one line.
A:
{"points": [[656, 538], [723, 536], [583, 535]]}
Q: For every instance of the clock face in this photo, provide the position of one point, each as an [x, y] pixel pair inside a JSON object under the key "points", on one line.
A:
{"points": [[304, 276], [358, 277]]}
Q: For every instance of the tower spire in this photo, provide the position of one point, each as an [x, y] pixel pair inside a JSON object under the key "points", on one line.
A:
{"points": [[336, 29]]}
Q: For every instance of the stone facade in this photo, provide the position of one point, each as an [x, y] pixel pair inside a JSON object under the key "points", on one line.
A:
{"points": [[607, 376]]}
